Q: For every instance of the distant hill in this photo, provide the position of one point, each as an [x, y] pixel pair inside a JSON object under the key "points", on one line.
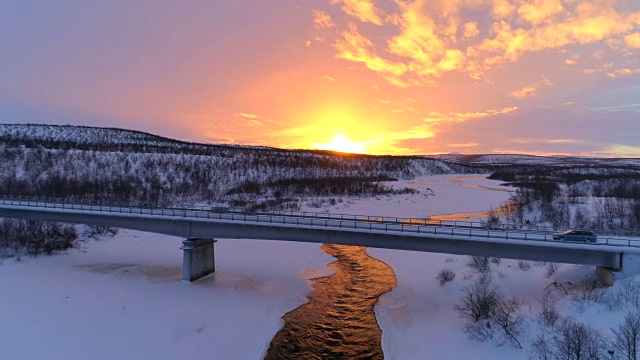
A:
{"points": [[90, 163], [520, 159]]}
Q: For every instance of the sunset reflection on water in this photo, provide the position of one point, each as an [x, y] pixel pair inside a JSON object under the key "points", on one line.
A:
{"points": [[338, 322]]}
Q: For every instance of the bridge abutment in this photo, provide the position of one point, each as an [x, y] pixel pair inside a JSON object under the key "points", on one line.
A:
{"points": [[198, 258]]}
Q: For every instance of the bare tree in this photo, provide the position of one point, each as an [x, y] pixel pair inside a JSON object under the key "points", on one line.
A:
{"points": [[630, 291], [627, 337], [506, 318], [575, 341], [548, 314], [542, 348], [580, 219]]}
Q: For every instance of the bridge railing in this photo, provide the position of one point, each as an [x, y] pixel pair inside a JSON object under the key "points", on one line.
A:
{"points": [[392, 224]]}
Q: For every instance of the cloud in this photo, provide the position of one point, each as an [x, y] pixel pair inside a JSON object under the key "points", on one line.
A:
{"points": [[329, 78], [448, 117], [426, 40], [623, 72], [572, 60], [545, 141], [428, 55], [580, 131], [633, 40], [618, 150], [354, 47], [322, 20], [538, 11], [251, 119], [502, 9], [598, 54], [526, 91], [465, 145], [470, 30], [247, 115], [532, 90], [364, 10]]}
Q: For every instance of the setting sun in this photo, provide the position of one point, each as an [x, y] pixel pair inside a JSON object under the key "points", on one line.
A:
{"points": [[341, 143]]}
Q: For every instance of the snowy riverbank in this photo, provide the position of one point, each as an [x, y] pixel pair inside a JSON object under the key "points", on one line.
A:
{"points": [[122, 297]]}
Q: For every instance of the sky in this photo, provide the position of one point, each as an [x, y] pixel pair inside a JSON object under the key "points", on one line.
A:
{"points": [[374, 76]]}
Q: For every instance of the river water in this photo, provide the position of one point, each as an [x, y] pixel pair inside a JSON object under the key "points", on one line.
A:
{"points": [[338, 322]]}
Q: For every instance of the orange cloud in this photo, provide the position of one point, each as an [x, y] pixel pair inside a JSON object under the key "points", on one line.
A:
{"points": [[322, 20], [531, 90], [247, 115], [427, 54], [623, 72], [538, 11], [354, 47], [438, 117], [427, 41], [545, 141], [526, 91], [620, 151], [510, 43], [572, 60], [250, 119], [464, 145], [633, 40], [470, 30], [502, 8], [364, 10]]}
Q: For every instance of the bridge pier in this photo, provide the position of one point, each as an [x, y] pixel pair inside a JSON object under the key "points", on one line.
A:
{"points": [[629, 266], [197, 258]]}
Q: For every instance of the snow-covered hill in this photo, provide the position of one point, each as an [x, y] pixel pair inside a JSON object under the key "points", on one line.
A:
{"points": [[520, 159], [114, 164]]}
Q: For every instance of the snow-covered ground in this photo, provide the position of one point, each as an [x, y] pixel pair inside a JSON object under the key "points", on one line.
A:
{"points": [[122, 297], [439, 195]]}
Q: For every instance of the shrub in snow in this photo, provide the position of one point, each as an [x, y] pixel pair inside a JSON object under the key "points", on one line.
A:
{"points": [[477, 306], [445, 276], [478, 299], [19, 237], [97, 230], [495, 260], [524, 265], [551, 269], [479, 263], [489, 314], [589, 289], [492, 221]]}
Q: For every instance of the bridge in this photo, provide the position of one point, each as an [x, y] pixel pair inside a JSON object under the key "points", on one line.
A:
{"points": [[199, 227]]}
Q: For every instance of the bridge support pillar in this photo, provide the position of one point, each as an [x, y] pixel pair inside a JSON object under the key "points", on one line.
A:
{"points": [[629, 266], [197, 258]]}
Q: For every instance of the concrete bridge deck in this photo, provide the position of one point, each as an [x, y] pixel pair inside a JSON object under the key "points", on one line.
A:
{"points": [[462, 239]]}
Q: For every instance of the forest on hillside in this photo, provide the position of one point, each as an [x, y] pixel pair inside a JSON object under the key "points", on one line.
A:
{"points": [[600, 198], [86, 164], [112, 165]]}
